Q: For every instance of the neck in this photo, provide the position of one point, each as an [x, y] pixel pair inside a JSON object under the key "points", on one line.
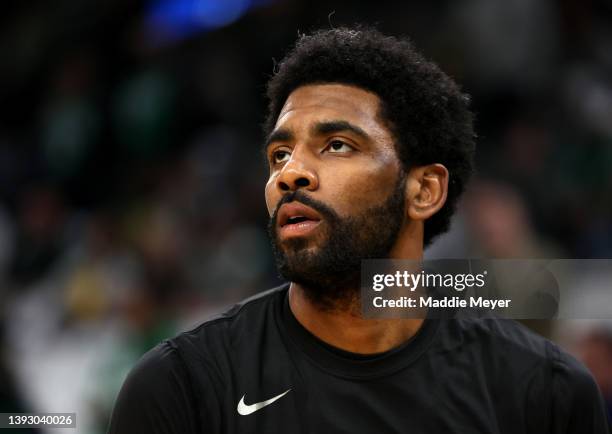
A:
{"points": [[344, 327]]}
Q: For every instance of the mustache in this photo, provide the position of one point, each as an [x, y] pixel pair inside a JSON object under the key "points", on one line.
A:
{"points": [[299, 196]]}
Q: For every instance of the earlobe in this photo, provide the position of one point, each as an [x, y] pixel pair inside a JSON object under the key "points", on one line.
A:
{"points": [[427, 189]]}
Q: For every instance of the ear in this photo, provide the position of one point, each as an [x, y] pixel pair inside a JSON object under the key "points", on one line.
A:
{"points": [[426, 191]]}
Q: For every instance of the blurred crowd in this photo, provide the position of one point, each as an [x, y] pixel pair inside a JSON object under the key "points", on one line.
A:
{"points": [[131, 177]]}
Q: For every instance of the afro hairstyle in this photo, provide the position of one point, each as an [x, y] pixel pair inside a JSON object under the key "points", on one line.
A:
{"points": [[426, 112]]}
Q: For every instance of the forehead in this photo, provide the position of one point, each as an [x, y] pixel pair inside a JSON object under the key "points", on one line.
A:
{"points": [[337, 101]]}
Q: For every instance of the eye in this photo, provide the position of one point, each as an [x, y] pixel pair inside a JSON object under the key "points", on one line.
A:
{"points": [[338, 147], [280, 156]]}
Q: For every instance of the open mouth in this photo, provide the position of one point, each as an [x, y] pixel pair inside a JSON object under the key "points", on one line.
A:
{"points": [[296, 219]]}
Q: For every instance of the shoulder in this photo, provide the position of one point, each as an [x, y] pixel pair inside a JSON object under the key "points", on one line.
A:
{"points": [[577, 402], [515, 341], [511, 348], [245, 309], [211, 342], [572, 380], [239, 318], [156, 396], [512, 339], [159, 371], [167, 364], [183, 376], [161, 359], [505, 337]]}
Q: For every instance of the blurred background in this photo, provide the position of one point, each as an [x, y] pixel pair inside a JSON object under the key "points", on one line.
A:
{"points": [[131, 180]]}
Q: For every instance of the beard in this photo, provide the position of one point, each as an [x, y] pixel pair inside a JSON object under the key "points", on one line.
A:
{"points": [[330, 272]]}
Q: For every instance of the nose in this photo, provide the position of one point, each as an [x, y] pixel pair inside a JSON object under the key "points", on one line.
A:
{"points": [[297, 173]]}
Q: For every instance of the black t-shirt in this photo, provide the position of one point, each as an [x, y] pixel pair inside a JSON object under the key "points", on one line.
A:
{"points": [[255, 369]]}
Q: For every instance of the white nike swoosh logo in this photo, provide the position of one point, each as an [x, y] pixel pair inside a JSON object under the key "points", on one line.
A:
{"points": [[245, 410]]}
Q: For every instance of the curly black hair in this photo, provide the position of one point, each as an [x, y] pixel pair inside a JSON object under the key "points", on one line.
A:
{"points": [[427, 114]]}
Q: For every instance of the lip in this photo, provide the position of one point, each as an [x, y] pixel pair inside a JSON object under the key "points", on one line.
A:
{"points": [[296, 209]]}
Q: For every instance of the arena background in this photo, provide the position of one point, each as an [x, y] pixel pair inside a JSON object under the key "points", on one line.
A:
{"points": [[131, 180]]}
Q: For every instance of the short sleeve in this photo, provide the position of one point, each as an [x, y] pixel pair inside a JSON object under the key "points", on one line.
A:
{"points": [[156, 397], [578, 406]]}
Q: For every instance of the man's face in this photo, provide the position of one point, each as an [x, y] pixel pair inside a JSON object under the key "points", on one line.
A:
{"points": [[336, 188]]}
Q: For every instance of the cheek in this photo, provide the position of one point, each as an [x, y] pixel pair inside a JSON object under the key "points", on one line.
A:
{"points": [[351, 190], [271, 195]]}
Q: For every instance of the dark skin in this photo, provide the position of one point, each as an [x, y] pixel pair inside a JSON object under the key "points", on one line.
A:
{"points": [[330, 141]]}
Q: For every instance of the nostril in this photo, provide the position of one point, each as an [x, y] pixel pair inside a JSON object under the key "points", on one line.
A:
{"points": [[283, 186], [302, 182]]}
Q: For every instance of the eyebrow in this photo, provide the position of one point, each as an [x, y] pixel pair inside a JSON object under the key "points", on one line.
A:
{"points": [[320, 128], [328, 127], [280, 135]]}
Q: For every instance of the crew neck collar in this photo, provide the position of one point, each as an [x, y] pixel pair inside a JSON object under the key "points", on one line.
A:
{"points": [[347, 364]]}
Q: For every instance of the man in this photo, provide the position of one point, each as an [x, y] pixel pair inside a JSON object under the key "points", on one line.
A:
{"points": [[369, 147]]}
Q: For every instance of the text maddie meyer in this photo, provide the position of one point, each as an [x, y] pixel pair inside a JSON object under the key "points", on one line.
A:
{"points": [[442, 303]]}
